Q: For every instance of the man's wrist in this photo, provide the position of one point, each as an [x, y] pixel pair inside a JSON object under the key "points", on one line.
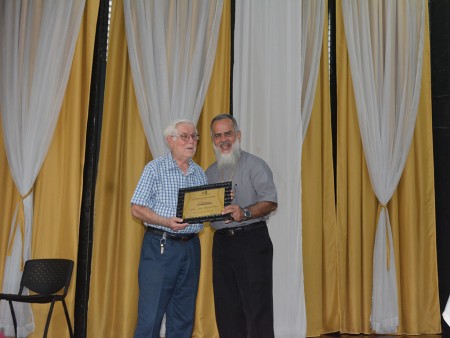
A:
{"points": [[247, 213]]}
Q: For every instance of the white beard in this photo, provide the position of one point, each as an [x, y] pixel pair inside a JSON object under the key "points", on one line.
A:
{"points": [[230, 160]]}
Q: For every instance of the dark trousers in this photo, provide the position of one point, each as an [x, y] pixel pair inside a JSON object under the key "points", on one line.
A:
{"points": [[168, 284], [242, 279]]}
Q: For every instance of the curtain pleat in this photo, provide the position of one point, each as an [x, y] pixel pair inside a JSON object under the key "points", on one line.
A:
{"points": [[267, 101], [319, 214], [7, 205], [171, 48], [217, 101], [411, 209]]}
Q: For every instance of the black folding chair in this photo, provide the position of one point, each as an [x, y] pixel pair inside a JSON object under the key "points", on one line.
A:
{"points": [[48, 280]]}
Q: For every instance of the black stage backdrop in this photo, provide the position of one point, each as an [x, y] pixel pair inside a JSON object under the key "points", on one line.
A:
{"points": [[439, 12]]}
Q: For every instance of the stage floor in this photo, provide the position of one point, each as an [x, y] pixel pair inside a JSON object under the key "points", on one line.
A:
{"points": [[336, 335]]}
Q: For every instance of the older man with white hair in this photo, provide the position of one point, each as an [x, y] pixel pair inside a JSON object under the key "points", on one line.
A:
{"points": [[169, 267]]}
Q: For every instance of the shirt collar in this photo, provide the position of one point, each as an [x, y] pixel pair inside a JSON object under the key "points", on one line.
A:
{"points": [[174, 165]]}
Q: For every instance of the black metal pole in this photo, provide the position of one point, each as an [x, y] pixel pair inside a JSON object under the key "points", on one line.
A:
{"points": [[333, 82], [90, 172], [440, 89]]}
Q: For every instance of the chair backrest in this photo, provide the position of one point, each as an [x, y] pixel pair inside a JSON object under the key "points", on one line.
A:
{"points": [[47, 276]]}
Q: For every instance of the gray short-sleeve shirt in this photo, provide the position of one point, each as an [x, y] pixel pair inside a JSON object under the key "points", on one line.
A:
{"points": [[252, 182]]}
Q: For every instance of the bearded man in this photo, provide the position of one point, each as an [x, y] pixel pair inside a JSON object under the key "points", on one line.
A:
{"points": [[242, 248]]}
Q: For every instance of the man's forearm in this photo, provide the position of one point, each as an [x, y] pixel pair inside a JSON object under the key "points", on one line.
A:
{"points": [[147, 215], [262, 208]]}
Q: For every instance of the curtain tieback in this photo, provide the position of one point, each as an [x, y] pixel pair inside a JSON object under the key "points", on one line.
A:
{"points": [[19, 222], [388, 247]]}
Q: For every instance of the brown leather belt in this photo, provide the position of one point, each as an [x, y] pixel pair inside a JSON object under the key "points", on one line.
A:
{"points": [[169, 235], [236, 230]]}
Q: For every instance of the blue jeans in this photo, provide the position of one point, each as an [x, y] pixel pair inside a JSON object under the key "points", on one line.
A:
{"points": [[168, 284]]}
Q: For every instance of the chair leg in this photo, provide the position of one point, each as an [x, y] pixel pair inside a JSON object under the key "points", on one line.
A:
{"points": [[68, 318], [13, 315], [49, 316]]}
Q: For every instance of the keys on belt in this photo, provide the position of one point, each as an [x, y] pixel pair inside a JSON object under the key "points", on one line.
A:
{"points": [[165, 236], [162, 242]]}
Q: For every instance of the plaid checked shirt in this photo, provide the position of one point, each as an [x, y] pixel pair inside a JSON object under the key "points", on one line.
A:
{"points": [[158, 187]]}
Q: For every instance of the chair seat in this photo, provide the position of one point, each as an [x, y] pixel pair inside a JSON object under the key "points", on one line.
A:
{"points": [[31, 298]]}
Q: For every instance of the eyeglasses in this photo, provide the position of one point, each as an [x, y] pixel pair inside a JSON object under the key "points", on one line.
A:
{"points": [[186, 137]]}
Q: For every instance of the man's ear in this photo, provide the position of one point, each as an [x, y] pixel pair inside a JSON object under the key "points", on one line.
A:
{"points": [[239, 135], [169, 141]]}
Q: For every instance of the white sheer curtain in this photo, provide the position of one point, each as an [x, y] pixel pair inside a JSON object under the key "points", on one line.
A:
{"points": [[313, 15], [446, 313], [171, 46], [385, 46], [38, 41], [277, 52]]}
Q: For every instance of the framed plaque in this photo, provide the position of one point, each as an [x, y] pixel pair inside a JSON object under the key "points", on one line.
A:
{"points": [[204, 203]]}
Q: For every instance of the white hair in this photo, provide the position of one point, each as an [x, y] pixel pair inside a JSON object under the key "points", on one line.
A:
{"points": [[171, 129]]}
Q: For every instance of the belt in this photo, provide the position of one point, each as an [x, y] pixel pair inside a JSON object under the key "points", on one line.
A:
{"points": [[169, 235], [236, 230]]}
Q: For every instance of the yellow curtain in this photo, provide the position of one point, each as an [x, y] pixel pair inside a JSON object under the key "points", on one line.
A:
{"points": [[217, 101], [7, 205], [412, 212], [320, 262], [59, 184], [123, 155]]}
